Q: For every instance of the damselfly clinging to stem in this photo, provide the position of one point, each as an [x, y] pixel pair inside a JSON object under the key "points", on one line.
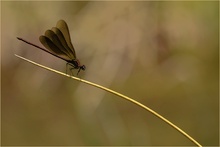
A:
{"points": [[58, 43]]}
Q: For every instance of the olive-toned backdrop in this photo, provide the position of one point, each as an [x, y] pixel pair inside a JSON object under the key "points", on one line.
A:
{"points": [[162, 54]]}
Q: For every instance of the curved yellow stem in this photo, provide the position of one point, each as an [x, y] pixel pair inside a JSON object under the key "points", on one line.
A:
{"points": [[118, 94]]}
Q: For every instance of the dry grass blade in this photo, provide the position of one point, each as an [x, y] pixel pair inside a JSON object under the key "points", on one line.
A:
{"points": [[118, 94]]}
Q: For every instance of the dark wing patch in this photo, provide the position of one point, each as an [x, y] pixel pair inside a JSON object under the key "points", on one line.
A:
{"points": [[57, 40], [62, 26], [63, 42], [48, 44]]}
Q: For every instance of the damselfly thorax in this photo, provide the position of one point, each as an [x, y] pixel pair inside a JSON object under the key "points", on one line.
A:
{"points": [[76, 65]]}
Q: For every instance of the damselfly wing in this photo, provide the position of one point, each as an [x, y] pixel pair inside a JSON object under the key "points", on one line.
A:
{"points": [[58, 43], [57, 40]]}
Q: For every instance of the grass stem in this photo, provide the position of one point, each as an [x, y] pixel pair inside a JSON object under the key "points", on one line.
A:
{"points": [[118, 94]]}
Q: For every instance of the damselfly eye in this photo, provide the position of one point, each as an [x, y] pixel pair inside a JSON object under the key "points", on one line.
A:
{"points": [[83, 67]]}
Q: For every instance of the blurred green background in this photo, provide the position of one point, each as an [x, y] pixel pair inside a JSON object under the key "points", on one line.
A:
{"points": [[162, 54]]}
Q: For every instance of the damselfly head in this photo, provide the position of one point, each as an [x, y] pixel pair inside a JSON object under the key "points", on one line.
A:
{"points": [[83, 67]]}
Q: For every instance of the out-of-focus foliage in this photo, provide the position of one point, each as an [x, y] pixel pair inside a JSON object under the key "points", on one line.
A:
{"points": [[163, 54]]}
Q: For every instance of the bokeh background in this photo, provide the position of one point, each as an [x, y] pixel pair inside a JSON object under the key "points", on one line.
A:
{"points": [[162, 54]]}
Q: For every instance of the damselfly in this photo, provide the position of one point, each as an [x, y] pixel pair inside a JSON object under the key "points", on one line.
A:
{"points": [[58, 43]]}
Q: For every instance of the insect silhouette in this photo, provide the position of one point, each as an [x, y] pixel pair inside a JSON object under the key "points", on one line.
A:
{"points": [[58, 43]]}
